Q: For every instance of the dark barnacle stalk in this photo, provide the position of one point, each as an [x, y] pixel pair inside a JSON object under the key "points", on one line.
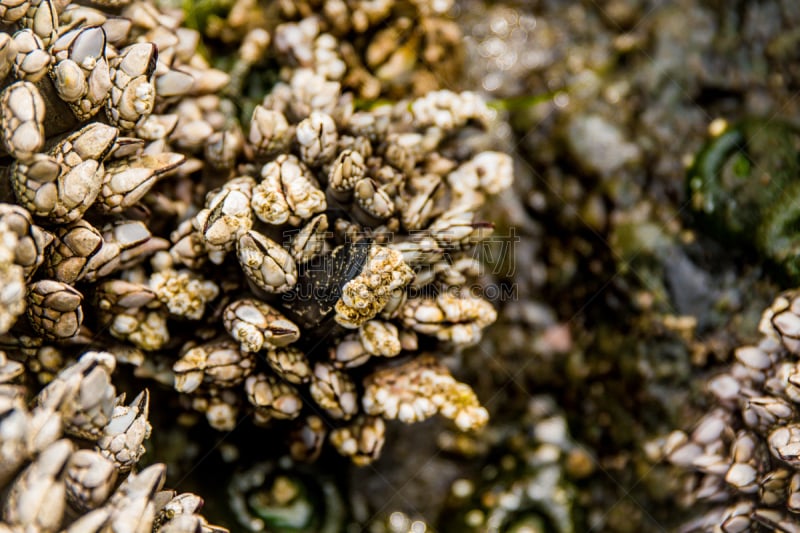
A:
{"points": [[319, 286]]}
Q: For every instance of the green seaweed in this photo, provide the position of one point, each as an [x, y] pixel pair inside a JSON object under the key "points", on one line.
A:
{"points": [[744, 189]]}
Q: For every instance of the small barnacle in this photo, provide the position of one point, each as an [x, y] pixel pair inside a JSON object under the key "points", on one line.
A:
{"points": [[392, 53], [334, 391], [388, 178], [420, 250], [22, 504], [132, 93], [784, 319], [116, 295], [22, 120], [12, 277], [453, 272], [81, 73], [419, 389], [380, 338], [317, 137], [373, 125], [373, 200], [193, 128], [127, 181], [309, 241], [361, 440], [76, 246], [294, 41], [89, 480], [144, 328], [267, 264], [156, 127], [765, 412], [448, 110], [174, 506], [184, 293], [306, 439], [491, 172], [78, 249], [31, 242], [347, 170], [222, 148], [220, 405], [288, 192], [257, 325], [63, 183], [327, 57], [123, 437], [134, 242], [130, 505], [13, 10], [456, 230], [360, 144], [179, 514], [272, 398], [309, 92], [783, 443], [349, 352], [742, 474], [403, 151], [41, 16], [290, 363], [54, 309], [219, 363], [8, 51], [83, 395], [227, 216], [9, 370], [449, 317], [270, 133], [367, 294], [188, 246]]}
